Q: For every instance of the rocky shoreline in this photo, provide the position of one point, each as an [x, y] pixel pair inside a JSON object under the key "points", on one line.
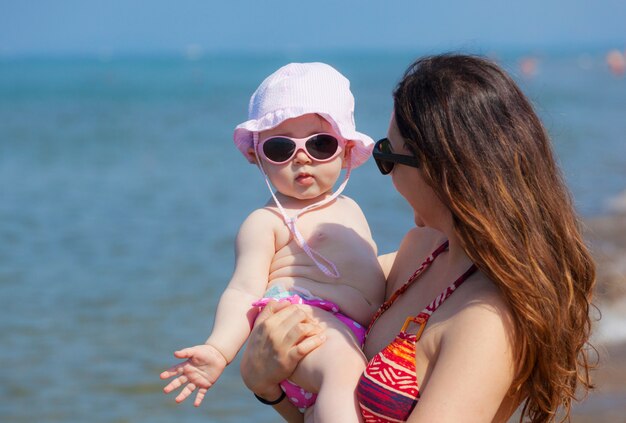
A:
{"points": [[606, 236]]}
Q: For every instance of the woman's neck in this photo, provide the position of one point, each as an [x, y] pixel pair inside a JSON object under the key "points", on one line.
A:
{"points": [[456, 257]]}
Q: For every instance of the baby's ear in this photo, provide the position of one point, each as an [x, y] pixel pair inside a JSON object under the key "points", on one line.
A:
{"points": [[349, 145], [346, 151], [252, 155]]}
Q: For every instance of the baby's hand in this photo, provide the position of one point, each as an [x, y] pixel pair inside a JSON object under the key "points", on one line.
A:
{"points": [[203, 366]]}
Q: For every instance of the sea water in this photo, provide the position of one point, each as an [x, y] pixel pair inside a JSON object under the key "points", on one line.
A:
{"points": [[121, 193]]}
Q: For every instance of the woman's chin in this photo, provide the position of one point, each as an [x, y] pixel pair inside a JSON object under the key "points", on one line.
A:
{"points": [[418, 222]]}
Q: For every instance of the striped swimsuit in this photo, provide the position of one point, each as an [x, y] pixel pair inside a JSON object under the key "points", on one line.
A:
{"points": [[388, 389]]}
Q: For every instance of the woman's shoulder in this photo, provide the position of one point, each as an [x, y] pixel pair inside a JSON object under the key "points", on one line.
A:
{"points": [[421, 241], [482, 305], [416, 246], [476, 341]]}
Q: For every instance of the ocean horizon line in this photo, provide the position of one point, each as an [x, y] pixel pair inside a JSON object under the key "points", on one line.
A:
{"points": [[196, 52]]}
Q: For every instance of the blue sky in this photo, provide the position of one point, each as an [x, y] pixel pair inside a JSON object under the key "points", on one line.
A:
{"points": [[128, 26]]}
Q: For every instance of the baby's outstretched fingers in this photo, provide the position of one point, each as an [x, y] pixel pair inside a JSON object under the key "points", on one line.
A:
{"points": [[187, 390], [184, 353], [175, 384], [175, 370], [200, 397]]}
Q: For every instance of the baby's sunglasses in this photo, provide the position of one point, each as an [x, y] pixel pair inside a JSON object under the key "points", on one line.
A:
{"points": [[319, 147], [385, 158]]}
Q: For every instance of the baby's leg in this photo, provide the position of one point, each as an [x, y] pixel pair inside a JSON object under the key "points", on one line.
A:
{"points": [[333, 371]]}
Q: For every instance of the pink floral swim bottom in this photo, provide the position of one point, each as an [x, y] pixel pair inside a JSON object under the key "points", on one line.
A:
{"points": [[297, 395]]}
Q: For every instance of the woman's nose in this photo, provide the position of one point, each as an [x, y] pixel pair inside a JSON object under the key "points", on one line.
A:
{"points": [[301, 157]]}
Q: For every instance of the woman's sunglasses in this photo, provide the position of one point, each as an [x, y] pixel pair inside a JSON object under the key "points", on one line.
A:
{"points": [[385, 158], [319, 147]]}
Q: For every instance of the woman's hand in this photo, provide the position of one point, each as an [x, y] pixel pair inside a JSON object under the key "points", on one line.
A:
{"points": [[282, 335]]}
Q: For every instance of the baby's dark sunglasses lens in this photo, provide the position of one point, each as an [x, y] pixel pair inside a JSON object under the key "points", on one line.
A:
{"points": [[278, 149], [322, 147]]}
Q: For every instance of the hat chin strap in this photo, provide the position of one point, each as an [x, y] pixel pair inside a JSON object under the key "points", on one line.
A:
{"points": [[325, 265]]}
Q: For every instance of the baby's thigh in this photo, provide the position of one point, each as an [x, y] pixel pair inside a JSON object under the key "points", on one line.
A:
{"points": [[338, 359]]}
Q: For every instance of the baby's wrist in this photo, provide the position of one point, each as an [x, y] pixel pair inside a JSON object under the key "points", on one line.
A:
{"points": [[216, 348]]}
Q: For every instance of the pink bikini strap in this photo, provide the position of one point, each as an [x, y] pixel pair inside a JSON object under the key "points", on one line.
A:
{"points": [[425, 314], [385, 306]]}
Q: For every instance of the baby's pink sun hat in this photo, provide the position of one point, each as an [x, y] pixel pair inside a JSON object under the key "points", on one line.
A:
{"points": [[298, 89]]}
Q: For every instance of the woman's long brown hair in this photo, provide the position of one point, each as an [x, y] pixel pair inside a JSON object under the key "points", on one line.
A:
{"points": [[488, 157]]}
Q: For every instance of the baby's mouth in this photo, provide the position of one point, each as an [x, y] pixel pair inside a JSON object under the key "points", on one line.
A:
{"points": [[305, 179]]}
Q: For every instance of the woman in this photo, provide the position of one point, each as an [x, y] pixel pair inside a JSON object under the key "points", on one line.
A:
{"points": [[496, 265]]}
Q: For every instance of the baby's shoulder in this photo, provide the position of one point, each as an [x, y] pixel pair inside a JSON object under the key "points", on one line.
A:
{"points": [[262, 218], [344, 199], [349, 213], [349, 204]]}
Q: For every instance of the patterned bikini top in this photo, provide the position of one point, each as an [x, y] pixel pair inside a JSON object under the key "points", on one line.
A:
{"points": [[388, 389]]}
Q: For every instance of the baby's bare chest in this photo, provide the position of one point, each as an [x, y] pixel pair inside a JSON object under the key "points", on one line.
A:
{"points": [[325, 229]]}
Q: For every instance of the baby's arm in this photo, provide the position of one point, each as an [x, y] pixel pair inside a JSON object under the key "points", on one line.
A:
{"points": [[254, 251], [234, 317]]}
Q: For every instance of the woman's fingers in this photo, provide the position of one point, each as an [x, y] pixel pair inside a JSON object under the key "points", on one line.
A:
{"points": [[288, 317], [309, 344], [273, 350], [300, 331], [304, 337], [276, 324], [270, 309], [288, 326]]}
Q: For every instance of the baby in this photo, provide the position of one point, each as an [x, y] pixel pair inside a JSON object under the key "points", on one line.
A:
{"points": [[307, 245]]}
